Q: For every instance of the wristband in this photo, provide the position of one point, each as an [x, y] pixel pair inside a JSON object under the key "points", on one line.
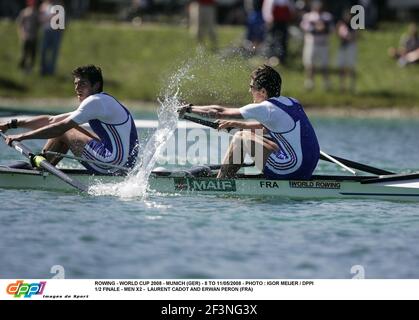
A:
{"points": [[12, 124], [189, 108]]}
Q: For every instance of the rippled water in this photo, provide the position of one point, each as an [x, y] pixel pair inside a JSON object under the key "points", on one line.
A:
{"points": [[165, 236]]}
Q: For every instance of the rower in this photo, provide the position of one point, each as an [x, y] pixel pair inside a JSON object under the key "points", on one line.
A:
{"points": [[282, 140], [113, 142]]}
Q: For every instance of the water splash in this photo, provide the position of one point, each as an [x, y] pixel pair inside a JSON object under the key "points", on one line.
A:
{"points": [[136, 184], [196, 76]]}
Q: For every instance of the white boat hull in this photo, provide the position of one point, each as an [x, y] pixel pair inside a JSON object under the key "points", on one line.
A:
{"points": [[313, 189], [321, 187]]}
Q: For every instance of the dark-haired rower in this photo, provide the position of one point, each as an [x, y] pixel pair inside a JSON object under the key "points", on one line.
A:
{"points": [[288, 146], [113, 139]]}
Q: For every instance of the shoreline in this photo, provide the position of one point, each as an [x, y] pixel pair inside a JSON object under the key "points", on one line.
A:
{"points": [[364, 113], [61, 105]]}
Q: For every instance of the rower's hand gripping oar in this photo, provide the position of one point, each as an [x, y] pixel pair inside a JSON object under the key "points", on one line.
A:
{"points": [[213, 125], [207, 123], [40, 162]]}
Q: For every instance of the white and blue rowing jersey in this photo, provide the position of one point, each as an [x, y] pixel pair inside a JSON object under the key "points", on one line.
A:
{"points": [[114, 125], [288, 126]]}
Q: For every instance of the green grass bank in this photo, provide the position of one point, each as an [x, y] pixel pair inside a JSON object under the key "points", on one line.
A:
{"points": [[148, 61]]}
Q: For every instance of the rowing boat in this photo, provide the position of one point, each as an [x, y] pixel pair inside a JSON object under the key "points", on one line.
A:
{"points": [[400, 187]]}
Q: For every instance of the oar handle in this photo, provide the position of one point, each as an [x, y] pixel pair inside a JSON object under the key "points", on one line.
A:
{"points": [[204, 122], [36, 160], [19, 147], [41, 162], [207, 123]]}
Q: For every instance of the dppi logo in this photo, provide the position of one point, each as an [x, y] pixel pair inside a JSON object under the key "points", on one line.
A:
{"points": [[27, 290]]}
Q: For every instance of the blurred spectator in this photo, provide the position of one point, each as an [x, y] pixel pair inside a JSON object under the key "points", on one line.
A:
{"points": [[255, 35], [11, 8], [136, 11], [371, 13], [202, 14], [231, 12], [28, 27], [79, 8], [51, 38], [347, 51], [301, 7], [408, 52], [317, 25], [278, 14]]}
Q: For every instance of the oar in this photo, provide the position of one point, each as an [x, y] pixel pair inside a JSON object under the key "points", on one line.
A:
{"points": [[87, 160], [357, 165], [41, 162], [340, 164], [211, 166], [218, 166], [345, 162], [204, 122]]}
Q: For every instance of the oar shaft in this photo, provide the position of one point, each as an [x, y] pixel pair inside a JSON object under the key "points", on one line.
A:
{"points": [[340, 164], [218, 166], [359, 166], [204, 122], [41, 162], [87, 160]]}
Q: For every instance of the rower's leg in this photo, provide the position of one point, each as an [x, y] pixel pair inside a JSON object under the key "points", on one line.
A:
{"points": [[246, 142], [326, 80], [234, 157], [55, 145], [260, 148], [309, 80], [74, 140]]}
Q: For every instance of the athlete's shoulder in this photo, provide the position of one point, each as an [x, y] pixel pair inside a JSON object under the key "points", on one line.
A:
{"points": [[287, 101], [91, 102], [93, 97], [108, 99]]}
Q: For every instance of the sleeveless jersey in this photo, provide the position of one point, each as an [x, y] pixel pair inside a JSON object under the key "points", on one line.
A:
{"points": [[114, 126], [299, 149]]}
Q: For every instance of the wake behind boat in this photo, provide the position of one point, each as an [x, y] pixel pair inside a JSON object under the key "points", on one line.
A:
{"points": [[399, 187]]}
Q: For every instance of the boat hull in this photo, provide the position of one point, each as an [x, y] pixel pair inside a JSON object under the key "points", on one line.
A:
{"points": [[36, 180], [318, 188], [405, 188]]}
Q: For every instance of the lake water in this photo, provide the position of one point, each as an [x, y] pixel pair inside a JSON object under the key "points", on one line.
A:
{"points": [[169, 236]]}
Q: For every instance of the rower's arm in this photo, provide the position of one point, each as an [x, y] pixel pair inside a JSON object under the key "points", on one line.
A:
{"points": [[41, 121], [218, 112], [253, 125], [50, 131]]}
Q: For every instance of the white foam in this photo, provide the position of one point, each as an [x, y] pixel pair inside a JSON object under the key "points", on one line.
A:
{"points": [[135, 186]]}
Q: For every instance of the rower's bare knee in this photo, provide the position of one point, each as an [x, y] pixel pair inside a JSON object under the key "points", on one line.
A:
{"points": [[238, 138], [75, 140]]}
